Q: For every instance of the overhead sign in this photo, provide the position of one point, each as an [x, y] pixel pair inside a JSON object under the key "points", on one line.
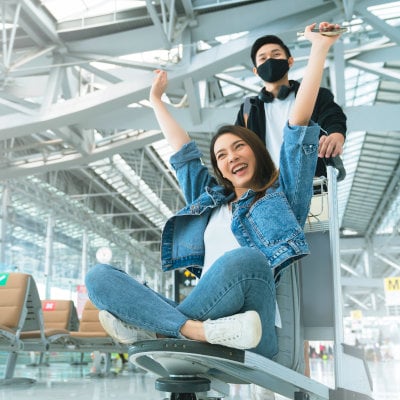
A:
{"points": [[392, 290], [356, 314]]}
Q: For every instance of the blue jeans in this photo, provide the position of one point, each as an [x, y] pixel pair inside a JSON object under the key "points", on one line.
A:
{"points": [[239, 281]]}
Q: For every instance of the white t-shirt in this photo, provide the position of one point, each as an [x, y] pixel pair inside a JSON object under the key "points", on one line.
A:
{"points": [[218, 239], [276, 116], [218, 236]]}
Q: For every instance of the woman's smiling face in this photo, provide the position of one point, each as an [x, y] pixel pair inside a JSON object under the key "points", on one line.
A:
{"points": [[236, 161]]}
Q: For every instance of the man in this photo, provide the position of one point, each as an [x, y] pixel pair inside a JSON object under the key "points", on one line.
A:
{"points": [[267, 113]]}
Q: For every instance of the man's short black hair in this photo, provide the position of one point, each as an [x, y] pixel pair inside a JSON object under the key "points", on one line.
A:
{"points": [[267, 39]]}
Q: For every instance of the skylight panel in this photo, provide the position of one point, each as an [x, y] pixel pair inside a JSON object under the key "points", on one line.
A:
{"points": [[391, 222], [76, 9], [386, 11]]}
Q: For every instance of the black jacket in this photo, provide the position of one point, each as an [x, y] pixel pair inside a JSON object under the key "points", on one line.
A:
{"points": [[327, 114]]}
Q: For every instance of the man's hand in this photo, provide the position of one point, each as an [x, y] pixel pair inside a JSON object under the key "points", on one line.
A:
{"points": [[331, 145]]}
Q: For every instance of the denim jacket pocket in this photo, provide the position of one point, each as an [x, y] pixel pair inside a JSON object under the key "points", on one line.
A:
{"points": [[309, 148], [272, 220]]}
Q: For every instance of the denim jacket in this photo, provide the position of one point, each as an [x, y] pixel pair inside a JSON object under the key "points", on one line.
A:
{"points": [[273, 224]]}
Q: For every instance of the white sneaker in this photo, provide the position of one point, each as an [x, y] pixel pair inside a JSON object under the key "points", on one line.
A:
{"points": [[240, 331], [260, 393], [121, 331]]}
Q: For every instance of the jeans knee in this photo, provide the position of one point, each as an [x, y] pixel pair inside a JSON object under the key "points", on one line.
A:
{"points": [[247, 260], [241, 265], [95, 277]]}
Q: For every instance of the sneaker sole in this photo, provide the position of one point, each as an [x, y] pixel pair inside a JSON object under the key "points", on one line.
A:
{"points": [[107, 320]]}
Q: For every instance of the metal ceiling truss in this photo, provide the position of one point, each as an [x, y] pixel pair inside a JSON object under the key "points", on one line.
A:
{"points": [[41, 193]]}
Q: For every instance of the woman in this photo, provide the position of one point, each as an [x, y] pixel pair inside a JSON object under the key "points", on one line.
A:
{"points": [[237, 231]]}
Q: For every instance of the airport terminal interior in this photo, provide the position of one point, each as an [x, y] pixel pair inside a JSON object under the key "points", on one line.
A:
{"points": [[85, 173]]}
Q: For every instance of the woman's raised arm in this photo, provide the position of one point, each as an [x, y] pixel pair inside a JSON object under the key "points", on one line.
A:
{"points": [[176, 136], [310, 84]]}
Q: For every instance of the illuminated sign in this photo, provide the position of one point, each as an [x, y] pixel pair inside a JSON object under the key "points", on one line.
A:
{"points": [[392, 291]]}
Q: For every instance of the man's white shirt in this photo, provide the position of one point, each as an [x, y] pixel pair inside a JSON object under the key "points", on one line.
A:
{"points": [[277, 114]]}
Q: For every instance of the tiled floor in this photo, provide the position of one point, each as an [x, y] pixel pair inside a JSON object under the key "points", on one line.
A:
{"points": [[61, 381]]}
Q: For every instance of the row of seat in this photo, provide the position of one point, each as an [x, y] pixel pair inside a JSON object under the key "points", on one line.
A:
{"points": [[28, 323]]}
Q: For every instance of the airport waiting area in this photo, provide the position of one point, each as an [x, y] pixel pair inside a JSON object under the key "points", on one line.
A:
{"points": [[199, 200]]}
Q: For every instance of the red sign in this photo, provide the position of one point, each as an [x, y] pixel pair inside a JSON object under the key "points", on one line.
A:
{"points": [[49, 305]]}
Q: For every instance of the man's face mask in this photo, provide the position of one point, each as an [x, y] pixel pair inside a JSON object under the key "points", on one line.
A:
{"points": [[273, 69]]}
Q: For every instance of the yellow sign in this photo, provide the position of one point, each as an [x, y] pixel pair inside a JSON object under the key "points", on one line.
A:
{"points": [[356, 314], [392, 290], [392, 284]]}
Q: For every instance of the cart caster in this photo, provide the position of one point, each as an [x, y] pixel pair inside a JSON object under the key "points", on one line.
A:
{"points": [[190, 396], [183, 388], [183, 396]]}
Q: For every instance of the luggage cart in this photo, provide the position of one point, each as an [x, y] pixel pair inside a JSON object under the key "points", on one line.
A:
{"points": [[310, 302]]}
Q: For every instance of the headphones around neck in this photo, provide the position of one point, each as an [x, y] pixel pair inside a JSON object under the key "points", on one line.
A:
{"points": [[268, 97]]}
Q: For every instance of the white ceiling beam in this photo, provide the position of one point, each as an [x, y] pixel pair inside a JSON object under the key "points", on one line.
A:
{"points": [[143, 118], [373, 69], [386, 51], [238, 83], [263, 16], [7, 50], [348, 269], [337, 73], [216, 59], [83, 144], [18, 105], [35, 17], [377, 117], [193, 100], [53, 87], [91, 57], [361, 282], [387, 261], [266, 16], [65, 161], [188, 7], [348, 6], [380, 25], [101, 73], [358, 302], [31, 56], [75, 110], [157, 23], [67, 83]]}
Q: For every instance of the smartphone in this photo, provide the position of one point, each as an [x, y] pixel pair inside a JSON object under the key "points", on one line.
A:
{"points": [[333, 32]]}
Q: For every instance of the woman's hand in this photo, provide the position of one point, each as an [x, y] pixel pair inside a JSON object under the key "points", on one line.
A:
{"points": [[316, 37], [159, 85], [309, 86], [173, 132], [327, 27]]}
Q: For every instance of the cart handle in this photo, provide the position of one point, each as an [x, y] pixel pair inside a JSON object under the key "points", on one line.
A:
{"points": [[336, 162]]}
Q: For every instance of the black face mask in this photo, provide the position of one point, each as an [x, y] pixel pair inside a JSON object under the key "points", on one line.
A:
{"points": [[273, 69]]}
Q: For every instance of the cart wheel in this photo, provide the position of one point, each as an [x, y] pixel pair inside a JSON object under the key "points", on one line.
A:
{"points": [[183, 388], [183, 396]]}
